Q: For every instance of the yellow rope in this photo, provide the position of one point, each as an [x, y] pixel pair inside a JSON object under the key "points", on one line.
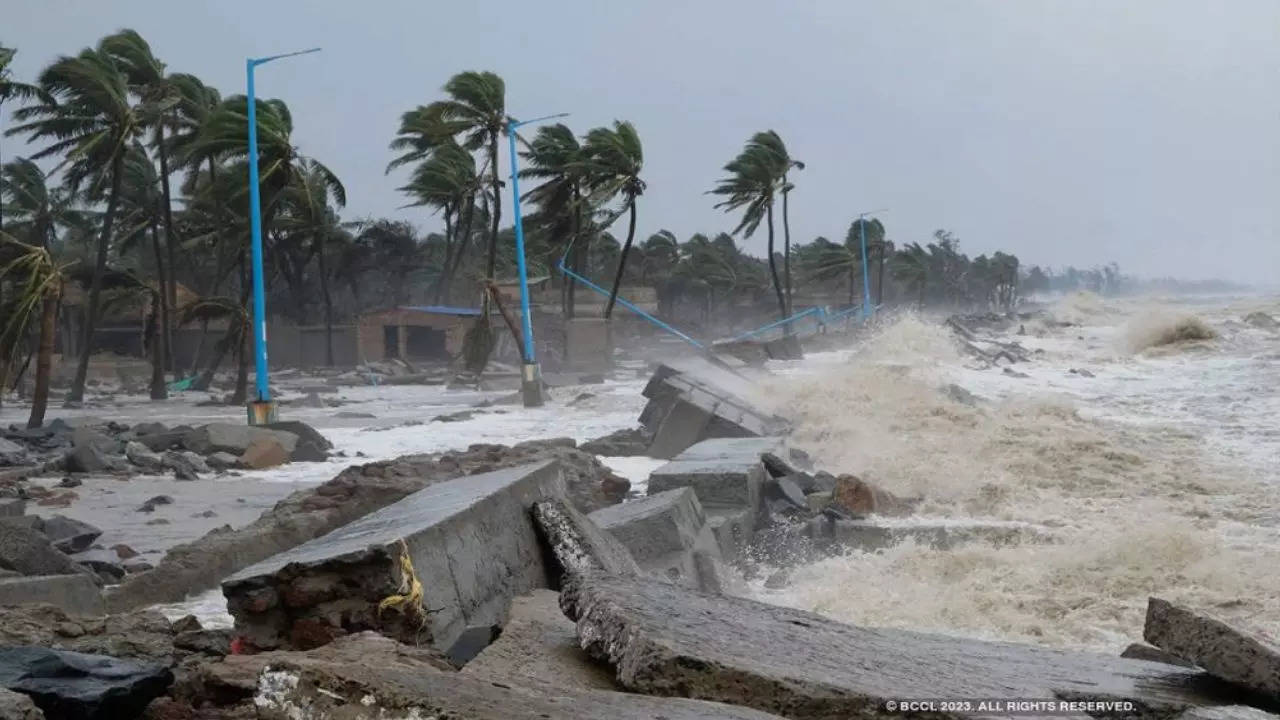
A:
{"points": [[409, 600]]}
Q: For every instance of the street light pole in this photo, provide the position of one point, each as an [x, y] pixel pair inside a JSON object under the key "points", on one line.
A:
{"points": [[531, 375], [866, 281], [261, 410]]}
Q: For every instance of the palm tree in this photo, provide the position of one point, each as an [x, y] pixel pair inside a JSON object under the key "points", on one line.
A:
{"points": [[556, 158], [11, 89], [614, 159], [43, 288], [476, 113], [311, 215], [147, 80], [89, 119], [752, 185], [36, 211], [447, 180], [911, 267], [771, 141]]}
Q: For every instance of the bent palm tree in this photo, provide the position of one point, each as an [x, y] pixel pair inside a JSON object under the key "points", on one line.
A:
{"points": [[772, 142], [447, 180], [42, 287], [911, 267], [555, 157], [311, 215], [614, 159], [90, 121], [752, 185]]}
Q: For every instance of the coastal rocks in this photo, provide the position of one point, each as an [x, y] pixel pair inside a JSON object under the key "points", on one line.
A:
{"points": [[143, 457], [421, 570], [629, 442], [663, 532], [67, 534], [694, 399], [12, 507], [1231, 654], [854, 496], [26, 550], [264, 452], [74, 593], [662, 640], [145, 635], [76, 686], [16, 706], [234, 439], [356, 491], [185, 465], [12, 454]]}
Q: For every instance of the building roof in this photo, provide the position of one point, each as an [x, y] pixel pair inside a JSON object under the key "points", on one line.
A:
{"points": [[442, 310]]}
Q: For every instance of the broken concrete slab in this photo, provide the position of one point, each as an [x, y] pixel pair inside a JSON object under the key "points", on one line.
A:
{"points": [[539, 646], [1142, 651], [577, 543], [662, 639], [1226, 652], [874, 534], [295, 686], [77, 686], [719, 483], [76, 593], [694, 399], [422, 569], [743, 449], [663, 532], [733, 530]]}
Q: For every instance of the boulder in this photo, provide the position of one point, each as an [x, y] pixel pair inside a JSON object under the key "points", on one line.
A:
{"points": [[662, 532], [105, 444], [104, 563], [264, 452], [422, 570], [16, 706], [307, 435], [354, 492], [162, 441], [68, 534], [143, 457], [1142, 651], [28, 551], [87, 459], [234, 439], [857, 497], [1235, 655], [149, 428], [12, 454], [76, 686], [662, 639], [146, 634], [222, 461], [577, 543], [182, 464], [76, 593]]}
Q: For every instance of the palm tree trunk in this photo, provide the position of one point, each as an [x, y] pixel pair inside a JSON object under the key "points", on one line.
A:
{"points": [[44, 357], [786, 250], [880, 277], [448, 250], [463, 240], [241, 394], [773, 268], [576, 259], [153, 336], [328, 303], [161, 356], [622, 262], [170, 287], [497, 207], [95, 289]]}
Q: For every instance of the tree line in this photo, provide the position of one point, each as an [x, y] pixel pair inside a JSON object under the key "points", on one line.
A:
{"points": [[146, 204]]}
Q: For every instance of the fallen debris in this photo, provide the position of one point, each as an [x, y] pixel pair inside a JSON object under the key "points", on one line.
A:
{"points": [[662, 532], [76, 686], [1231, 654], [694, 399]]}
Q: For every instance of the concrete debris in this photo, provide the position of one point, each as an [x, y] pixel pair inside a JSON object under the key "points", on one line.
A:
{"points": [[663, 532], [663, 640], [694, 399], [421, 570], [1226, 652], [75, 686], [1142, 651], [577, 543]]}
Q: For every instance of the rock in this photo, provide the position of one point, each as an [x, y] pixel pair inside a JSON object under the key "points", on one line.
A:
{"points": [[818, 500], [77, 686], [630, 442], [163, 441], [143, 457], [693, 399], [307, 451], [311, 445], [12, 507], [234, 439], [70, 482], [262, 453], [69, 535], [16, 706], [28, 551], [87, 459], [12, 454], [144, 634], [104, 563], [1229, 653], [153, 503], [662, 532], [1015, 374], [182, 465], [539, 646], [1226, 712], [778, 580], [151, 428], [1081, 372], [124, 552], [76, 593], [87, 436], [1142, 651], [461, 549], [577, 543], [205, 642], [856, 497], [222, 461], [662, 639], [187, 623], [783, 496], [1262, 321], [356, 491], [352, 415], [455, 417]]}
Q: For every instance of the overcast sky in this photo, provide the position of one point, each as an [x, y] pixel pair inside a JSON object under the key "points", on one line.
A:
{"points": [[1068, 131]]}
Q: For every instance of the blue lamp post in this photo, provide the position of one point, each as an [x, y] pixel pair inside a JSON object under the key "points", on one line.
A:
{"points": [[261, 409], [866, 282], [531, 376]]}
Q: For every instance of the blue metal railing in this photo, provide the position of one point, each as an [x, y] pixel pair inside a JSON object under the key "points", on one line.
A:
{"points": [[628, 305], [818, 311]]}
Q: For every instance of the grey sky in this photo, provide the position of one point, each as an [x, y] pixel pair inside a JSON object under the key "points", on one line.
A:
{"points": [[1068, 131]]}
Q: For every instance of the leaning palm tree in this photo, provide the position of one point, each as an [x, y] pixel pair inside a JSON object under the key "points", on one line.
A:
{"points": [[11, 89], [752, 184], [40, 280], [35, 210], [772, 142], [614, 158], [911, 267], [312, 202], [447, 181], [555, 157], [88, 117]]}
